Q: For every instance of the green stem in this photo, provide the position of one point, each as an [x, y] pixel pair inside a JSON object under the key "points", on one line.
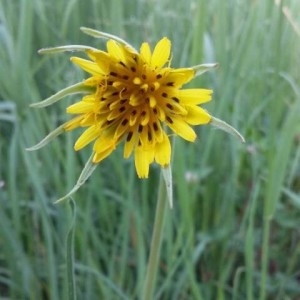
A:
{"points": [[265, 259], [152, 269], [70, 255]]}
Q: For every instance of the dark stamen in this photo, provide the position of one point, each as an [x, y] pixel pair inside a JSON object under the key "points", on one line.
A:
{"points": [[122, 108], [133, 69], [170, 83], [169, 120], [133, 112], [129, 136], [124, 122], [140, 129], [122, 64], [165, 95], [155, 126], [158, 76], [125, 77], [149, 136], [113, 74], [170, 106], [175, 99], [144, 76]]}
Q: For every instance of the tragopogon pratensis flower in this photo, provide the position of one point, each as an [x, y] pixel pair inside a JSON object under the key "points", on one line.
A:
{"points": [[135, 96], [132, 98]]}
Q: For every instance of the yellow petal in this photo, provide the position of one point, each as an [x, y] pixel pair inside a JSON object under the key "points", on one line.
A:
{"points": [[101, 58], [161, 53], [122, 128], [87, 65], [152, 101], [90, 98], [180, 76], [181, 128], [89, 119], [73, 123], [161, 113], [87, 136], [145, 117], [194, 96], [135, 98], [163, 151], [94, 80], [146, 53], [146, 138], [157, 132], [197, 115], [133, 118], [131, 142], [115, 50], [100, 156], [114, 115], [81, 107], [143, 158], [175, 108], [104, 142]]}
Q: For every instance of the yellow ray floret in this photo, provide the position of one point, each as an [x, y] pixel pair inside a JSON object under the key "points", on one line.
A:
{"points": [[161, 53]]}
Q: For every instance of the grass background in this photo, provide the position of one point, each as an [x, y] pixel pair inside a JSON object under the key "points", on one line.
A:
{"points": [[234, 230]]}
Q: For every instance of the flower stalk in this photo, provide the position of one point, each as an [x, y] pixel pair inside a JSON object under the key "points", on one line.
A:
{"points": [[156, 241], [70, 259]]}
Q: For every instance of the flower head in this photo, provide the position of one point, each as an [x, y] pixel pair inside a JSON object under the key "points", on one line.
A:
{"points": [[135, 97]]}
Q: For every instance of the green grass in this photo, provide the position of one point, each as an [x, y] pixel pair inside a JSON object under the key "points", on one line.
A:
{"points": [[234, 229]]}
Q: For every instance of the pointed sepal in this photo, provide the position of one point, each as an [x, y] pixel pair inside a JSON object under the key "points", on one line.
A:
{"points": [[67, 48], [87, 171], [201, 69], [104, 35], [226, 127], [51, 136], [70, 90]]}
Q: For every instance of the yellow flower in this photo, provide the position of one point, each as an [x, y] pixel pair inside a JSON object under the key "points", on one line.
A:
{"points": [[134, 96]]}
